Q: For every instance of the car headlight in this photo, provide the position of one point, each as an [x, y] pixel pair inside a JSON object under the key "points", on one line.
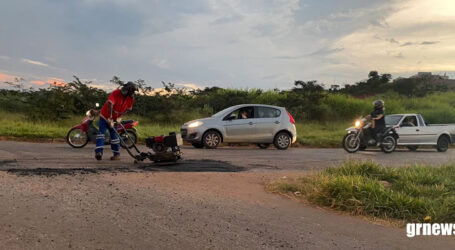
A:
{"points": [[357, 124], [195, 124]]}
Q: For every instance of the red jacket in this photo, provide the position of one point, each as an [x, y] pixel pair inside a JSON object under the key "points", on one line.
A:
{"points": [[120, 104]]}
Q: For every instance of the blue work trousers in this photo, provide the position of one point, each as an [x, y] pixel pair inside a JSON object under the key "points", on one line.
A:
{"points": [[100, 138]]}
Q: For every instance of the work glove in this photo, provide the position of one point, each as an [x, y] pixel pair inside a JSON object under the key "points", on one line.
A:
{"points": [[110, 122]]}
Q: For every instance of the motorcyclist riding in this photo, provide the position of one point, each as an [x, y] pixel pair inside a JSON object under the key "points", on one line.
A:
{"points": [[377, 118], [119, 102]]}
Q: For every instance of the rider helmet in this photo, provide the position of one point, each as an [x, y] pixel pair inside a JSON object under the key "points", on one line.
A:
{"points": [[378, 104]]}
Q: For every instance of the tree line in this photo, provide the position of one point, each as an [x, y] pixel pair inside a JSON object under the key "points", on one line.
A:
{"points": [[307, 100]]}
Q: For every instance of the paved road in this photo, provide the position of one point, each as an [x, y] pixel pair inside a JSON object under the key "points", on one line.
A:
{"points": [[215, 199], [25, 155]]}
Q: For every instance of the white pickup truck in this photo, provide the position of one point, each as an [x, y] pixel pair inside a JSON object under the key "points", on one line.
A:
{"points": [[413, 132]]}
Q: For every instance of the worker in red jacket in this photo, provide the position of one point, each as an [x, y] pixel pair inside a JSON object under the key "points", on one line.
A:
{"points": [[119, 101]]}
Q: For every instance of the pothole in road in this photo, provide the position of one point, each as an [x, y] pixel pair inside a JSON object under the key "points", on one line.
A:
{"points": [[183, 166]]}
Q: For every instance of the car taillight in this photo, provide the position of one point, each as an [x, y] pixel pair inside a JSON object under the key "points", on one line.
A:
{"points": [[291, 119]]}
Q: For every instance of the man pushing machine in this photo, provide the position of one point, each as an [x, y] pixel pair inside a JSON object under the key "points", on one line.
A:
{"points": [[119, 102]]}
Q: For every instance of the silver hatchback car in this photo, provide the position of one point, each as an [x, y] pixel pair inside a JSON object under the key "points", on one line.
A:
{"points": [[245, 123]]}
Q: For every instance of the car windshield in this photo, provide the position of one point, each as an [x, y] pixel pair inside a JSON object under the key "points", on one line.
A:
{"points": [[392, 119]]}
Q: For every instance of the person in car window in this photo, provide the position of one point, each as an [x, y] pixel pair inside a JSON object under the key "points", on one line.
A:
{"points": [[409, 122], [377, 118], [244, 114]]}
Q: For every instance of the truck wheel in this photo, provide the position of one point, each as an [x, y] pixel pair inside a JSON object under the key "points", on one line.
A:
{"points": [[443, 143], [211, 139]]}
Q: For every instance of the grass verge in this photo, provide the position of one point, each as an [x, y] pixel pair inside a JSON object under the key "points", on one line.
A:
{"points": [[365, 188], [18, 126]]}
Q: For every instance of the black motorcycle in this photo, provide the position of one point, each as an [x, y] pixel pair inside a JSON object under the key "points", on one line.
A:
{"points": [[360, 137]]}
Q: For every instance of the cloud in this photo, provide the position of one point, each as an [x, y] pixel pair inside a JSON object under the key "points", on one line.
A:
{"points": [[2, 57], [429, 42], [35, 62], [190, 85], [407, 44], [38, 82], [412, 21], [6, 77], [53, 81], [162, 64]]}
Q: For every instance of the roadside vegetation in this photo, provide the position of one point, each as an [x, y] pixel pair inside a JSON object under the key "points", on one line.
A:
{"points": [[321, 114], [411, 194]]}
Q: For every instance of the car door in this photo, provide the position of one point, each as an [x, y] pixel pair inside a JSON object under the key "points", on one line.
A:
{"points": [[268, 123], [238, 128], [408, 131]]}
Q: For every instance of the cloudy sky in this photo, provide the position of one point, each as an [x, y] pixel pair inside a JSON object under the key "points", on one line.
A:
{"points": [[226, 43]]}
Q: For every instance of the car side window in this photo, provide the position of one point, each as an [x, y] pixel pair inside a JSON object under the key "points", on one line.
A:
{"points": [[409, 121], [241, 113], [267, 112]]}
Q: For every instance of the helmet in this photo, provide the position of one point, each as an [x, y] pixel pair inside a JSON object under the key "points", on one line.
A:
{"points": [[378, 104], [128, 89]]}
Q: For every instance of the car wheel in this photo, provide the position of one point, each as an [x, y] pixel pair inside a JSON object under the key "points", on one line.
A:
{"points": [[197, 144], [282, 141], [264, 145], [413, 148], [443, 143], [211, 139]]}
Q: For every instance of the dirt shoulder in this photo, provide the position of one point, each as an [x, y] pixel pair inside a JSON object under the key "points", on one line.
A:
{"points": [[177, 210]]}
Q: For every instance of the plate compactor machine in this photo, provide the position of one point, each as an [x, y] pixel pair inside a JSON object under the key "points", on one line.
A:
{"points": [[165, 148]]}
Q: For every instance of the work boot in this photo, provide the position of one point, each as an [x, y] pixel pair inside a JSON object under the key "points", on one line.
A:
{"points": [[115, 158], [99, 156]]}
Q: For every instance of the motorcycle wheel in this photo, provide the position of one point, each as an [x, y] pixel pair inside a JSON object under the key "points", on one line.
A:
{"points": [[350, 143], [388, 144], [77, 138], [127, 141]]}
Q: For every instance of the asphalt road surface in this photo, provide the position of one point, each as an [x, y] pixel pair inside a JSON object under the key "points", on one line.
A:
{"points": [[26, 155], [56, 197]]}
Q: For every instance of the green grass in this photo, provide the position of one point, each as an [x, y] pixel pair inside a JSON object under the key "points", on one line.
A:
{"points": [[17, 125], [321, 134], [365, 188]]}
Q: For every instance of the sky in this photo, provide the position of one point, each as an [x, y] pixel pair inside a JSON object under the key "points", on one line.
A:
{"points": [[226, 43]]}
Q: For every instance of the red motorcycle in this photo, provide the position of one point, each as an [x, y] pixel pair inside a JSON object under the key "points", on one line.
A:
{"points": [[81, 134]]}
